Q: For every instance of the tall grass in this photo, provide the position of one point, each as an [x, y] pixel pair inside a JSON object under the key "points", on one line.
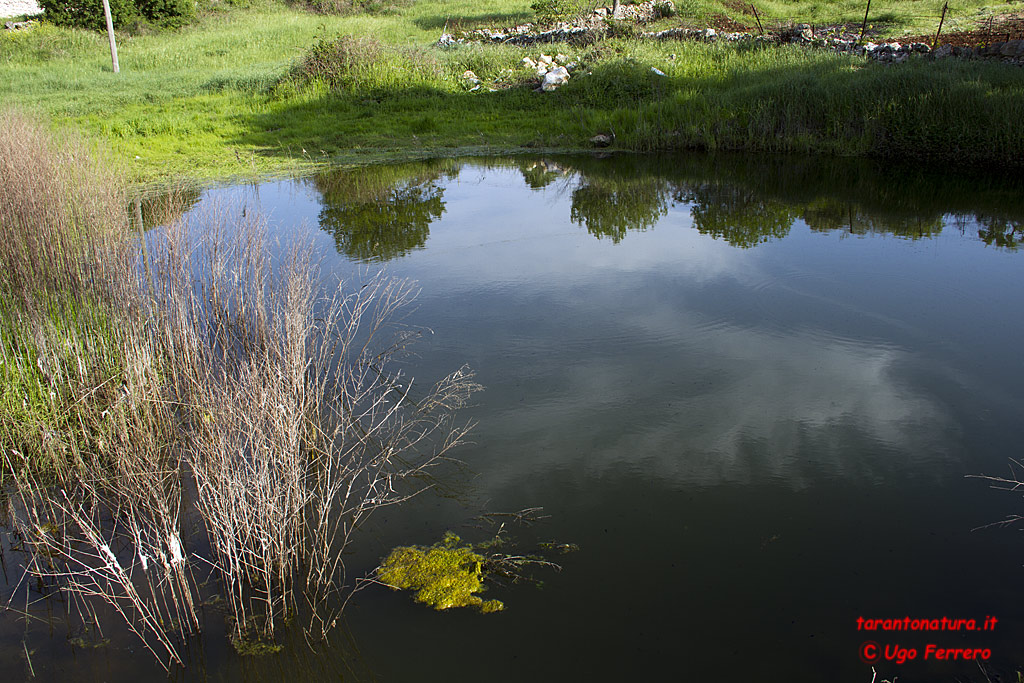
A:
{"points": [[131, 373], [64, 249]]}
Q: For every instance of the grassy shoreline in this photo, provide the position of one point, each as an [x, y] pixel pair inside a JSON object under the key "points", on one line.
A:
{"points": [[229, 96]]}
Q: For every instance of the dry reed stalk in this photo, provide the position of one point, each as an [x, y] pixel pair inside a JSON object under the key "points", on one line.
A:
{"points": [[130, 556], [301, 426]]}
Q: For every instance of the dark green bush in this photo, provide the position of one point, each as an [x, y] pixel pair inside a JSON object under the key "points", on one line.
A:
{"points": [[338, 61], [167, 12], [87, 13]]}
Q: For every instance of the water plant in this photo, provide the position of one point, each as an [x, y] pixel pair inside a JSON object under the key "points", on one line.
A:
{"points": [[450, 573], [445, 575], [135, 365]]}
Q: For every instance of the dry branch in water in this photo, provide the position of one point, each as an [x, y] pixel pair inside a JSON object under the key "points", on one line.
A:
{"points": [[1013, 482]]}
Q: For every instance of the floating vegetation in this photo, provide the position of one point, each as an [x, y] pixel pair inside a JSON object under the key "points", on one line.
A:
{"points": [[449, 574], [84, 643], [561, 548], [254, 647], [445, 575]]}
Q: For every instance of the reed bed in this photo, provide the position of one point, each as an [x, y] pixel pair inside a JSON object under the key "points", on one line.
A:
{"points": [[187, 373]]}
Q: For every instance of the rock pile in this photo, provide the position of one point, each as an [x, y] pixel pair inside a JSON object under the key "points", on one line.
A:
{"points": [[594, 26], [583, 31], [551, 73]]}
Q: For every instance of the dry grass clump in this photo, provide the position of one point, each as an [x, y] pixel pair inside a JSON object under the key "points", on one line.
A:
{"points": [[64, 251], [358, 62], [192, 361], [347, 7], [299, 425], [84, 420]]}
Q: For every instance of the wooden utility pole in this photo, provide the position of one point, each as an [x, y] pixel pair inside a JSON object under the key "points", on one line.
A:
{"points": [[935, 43], [863, 26], [110, 33], [759, 27]]}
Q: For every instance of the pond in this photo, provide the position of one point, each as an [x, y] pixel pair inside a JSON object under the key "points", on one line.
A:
{"points": [[753, 391]]}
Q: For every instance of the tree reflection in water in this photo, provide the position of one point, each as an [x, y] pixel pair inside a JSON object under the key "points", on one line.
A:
{"points": [[382, 212], [379, 213], [740, 216], [1000, 231]]}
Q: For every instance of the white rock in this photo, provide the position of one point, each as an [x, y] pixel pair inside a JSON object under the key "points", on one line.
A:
{"points": [[529, 63], [14, 8], [554, 78], [545, 59], [561, 59]]}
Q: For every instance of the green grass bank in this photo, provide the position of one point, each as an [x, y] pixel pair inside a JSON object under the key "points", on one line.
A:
{"points": [[270, 88]]}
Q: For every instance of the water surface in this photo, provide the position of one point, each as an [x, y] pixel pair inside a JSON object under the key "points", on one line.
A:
{"points": [[750, 389]]}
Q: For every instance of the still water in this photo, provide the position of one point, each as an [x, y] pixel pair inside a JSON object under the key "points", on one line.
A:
{"points": [[752, 391]]}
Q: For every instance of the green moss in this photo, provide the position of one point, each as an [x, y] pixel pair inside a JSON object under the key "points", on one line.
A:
{"points": [[254, 647], [488, 606], [444, 575]]}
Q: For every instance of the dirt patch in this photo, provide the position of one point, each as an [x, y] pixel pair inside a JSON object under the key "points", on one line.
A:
{"points": [[1001, 28], [739, 6], [720, 22]]}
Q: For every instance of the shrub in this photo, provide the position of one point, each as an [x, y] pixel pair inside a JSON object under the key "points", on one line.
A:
{"points": [[549, 11], [664, 10], [167, 12], [87, 13], [351, 63], [338, 62], [618, 28]]}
